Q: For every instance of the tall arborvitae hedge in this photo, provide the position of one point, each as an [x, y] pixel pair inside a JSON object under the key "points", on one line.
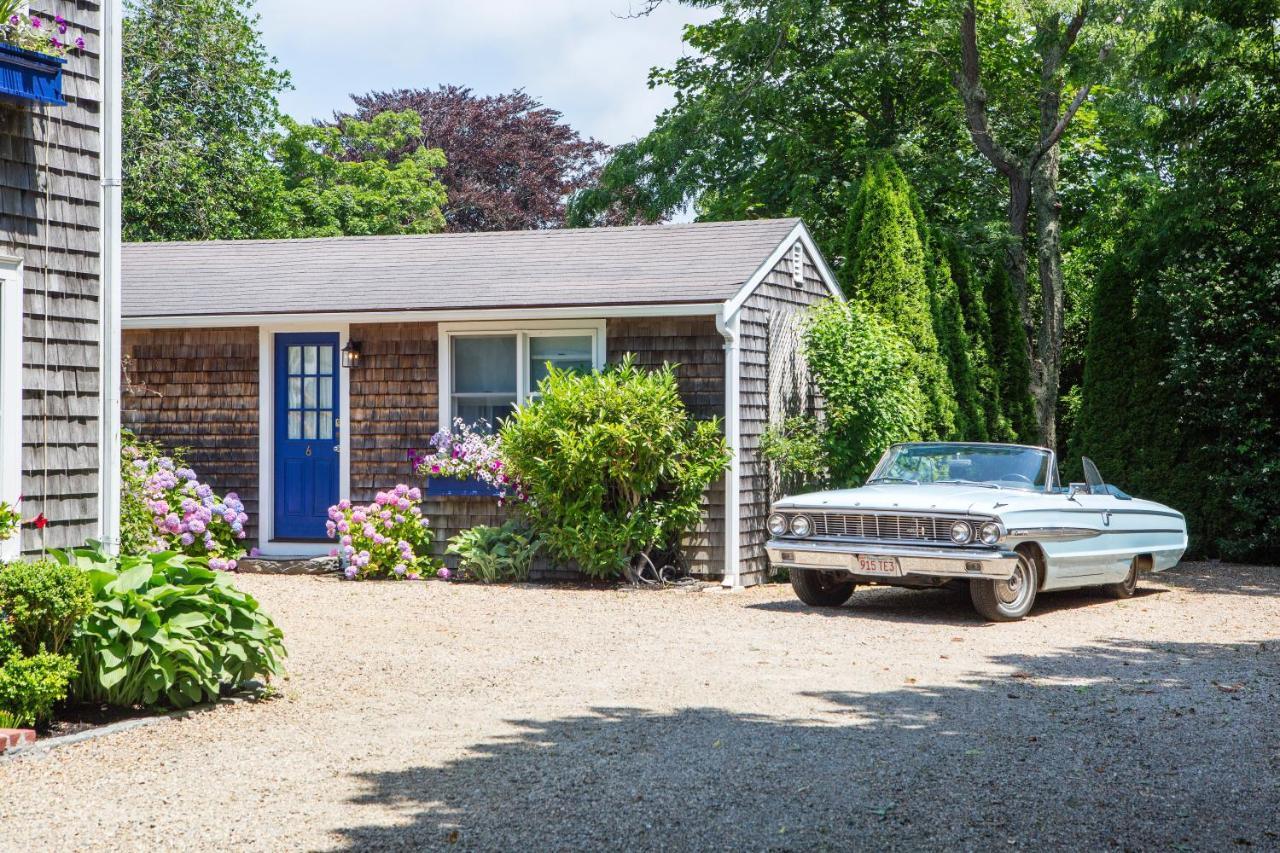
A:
{"points": [[886, 268], [1009, 352], [953, 340], [977, 326]]}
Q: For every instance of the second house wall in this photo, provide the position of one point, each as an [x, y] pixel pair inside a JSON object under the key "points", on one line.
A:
{"points": [[198, 389]]}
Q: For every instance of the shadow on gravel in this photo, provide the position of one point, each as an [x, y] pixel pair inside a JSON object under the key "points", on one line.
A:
{"points": [[1230, 578], [938, 606], [1125, 745]]}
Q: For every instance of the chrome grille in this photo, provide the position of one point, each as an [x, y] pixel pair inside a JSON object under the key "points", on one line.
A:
{"points": [[896, 528]]}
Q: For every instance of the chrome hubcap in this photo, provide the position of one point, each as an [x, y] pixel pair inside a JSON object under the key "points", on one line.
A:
{"points": [[1014, 592]]}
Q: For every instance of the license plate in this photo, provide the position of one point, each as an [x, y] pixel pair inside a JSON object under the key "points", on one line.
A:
{"points": [[871, 565]]}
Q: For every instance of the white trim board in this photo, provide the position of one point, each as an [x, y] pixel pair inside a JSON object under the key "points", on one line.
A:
{"points": [[310, 320], [801, 233], [11, 427], [266, 437]]}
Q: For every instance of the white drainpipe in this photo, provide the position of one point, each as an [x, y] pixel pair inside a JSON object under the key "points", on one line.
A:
{"points": [[728, 328], [112, 70]]}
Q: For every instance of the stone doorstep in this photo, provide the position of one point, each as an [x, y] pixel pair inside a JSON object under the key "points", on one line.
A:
{"points": [[288, 566], [9, 738]]}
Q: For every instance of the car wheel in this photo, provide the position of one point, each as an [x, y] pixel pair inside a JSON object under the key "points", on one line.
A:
{"points": [[1007, 600], [1126, 587], [821, 589]]}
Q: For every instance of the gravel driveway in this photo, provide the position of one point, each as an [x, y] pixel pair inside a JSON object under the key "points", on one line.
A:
{"points": [[430, 715]]}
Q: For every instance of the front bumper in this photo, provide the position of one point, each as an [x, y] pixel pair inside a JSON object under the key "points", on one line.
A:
{"points": [[917, 560]]}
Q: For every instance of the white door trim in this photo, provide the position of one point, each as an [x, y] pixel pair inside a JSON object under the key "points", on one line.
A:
{"points": [[267, 430], [11, 427]]}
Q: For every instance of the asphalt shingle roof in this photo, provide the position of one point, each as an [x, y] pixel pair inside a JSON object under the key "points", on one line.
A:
{"points": [[641, 265]]}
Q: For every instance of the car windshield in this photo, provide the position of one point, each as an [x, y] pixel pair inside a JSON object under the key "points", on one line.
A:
{"points": [[993, 466]]}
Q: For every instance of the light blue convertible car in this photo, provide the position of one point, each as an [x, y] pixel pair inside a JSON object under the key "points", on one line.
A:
{"points": [[991, 515]]}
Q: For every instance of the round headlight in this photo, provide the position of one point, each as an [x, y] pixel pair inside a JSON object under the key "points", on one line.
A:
{"points": [[777, 524], [801, 525], [990, 533], [961, 532]]}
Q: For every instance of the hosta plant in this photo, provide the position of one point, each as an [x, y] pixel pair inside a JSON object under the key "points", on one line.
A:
{"points": [[388, 538], [489, 554], [168, 631]]}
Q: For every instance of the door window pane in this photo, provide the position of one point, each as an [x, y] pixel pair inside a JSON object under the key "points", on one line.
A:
{"points": [[295, 359], [309, 359], [295, 425], [326, 392], [309, 392], [565, 353], [295, 393], [309, 425], [326, 360], [326, 425]]}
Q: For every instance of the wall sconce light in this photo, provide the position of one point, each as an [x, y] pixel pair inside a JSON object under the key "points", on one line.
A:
{"points": [[351, 354]]}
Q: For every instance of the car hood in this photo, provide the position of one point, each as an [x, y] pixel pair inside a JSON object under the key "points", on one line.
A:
{"points": [[922, 498]]}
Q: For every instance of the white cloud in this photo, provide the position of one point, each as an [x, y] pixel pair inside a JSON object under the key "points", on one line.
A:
{"points": [[578, 56]]}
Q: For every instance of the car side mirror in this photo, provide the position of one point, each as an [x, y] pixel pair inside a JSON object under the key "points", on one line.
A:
{"points": [[1078, 489]]}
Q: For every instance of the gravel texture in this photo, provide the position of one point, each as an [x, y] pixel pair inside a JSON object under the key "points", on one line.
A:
{"points": [[521, 718]]}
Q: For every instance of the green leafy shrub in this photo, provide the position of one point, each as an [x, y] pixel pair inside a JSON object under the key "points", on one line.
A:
{"points": [[30, 685], [43, 602], [167, 631], [612, 464], [798, 453], [873, 399], [490, 554]]}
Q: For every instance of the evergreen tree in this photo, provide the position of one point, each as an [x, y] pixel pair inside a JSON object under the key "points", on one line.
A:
{"points": [[1009, 354], [953, 341], [885, 267], [977, 328]]}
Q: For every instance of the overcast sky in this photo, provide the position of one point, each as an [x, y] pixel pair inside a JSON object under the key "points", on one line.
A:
{"points": [[578, 56]]}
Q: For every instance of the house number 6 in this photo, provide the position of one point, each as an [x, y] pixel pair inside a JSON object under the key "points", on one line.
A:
{"points": [[308, 450]]}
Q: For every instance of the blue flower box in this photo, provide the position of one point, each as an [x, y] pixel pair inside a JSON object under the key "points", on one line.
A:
{"points": [[31, 76], [453, 487]]}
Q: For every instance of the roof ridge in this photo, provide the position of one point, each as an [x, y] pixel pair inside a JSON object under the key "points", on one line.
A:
{"points": [[466, 235]]}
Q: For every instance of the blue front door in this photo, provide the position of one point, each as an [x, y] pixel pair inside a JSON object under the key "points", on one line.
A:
{"points": [[306, 475]]}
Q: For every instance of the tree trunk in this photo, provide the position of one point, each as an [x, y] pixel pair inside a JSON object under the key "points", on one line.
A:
{"points": [[1046, 366]]}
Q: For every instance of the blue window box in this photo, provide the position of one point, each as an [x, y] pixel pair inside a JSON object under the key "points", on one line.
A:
{"points": [[452, 487], [31, 76]]}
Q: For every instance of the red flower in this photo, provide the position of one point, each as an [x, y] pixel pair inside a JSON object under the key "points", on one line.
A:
{"points": [[40, 521]]}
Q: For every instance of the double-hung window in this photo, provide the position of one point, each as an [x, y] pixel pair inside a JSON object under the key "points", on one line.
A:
{"points": [[488, 369]]}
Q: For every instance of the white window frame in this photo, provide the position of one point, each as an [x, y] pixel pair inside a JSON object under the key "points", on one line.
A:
{"points": [[11, 359], [522, 332]]}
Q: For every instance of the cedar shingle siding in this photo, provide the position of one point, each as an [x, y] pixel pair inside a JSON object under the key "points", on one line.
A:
{"points": [[198, 389], [394, 403], [53, 153], [694, 345], [773, 385]]}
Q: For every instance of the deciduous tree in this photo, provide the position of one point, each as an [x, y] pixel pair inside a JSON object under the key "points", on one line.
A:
{"points": [[512, 164]]}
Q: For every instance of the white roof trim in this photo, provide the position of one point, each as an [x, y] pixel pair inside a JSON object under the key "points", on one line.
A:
{"points": [[208, 321], [801, 233]]}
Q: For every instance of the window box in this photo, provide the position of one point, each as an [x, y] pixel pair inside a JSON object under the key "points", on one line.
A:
{"points": [[439, 487], [30, 76]]}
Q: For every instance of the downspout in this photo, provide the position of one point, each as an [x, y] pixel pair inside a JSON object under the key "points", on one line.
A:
{"points": [[112, 72], [728, 328]]}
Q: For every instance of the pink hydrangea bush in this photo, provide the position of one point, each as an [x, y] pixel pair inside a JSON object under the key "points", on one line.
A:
{"points": [[389, 538], [185, 514], [467, 452]]}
